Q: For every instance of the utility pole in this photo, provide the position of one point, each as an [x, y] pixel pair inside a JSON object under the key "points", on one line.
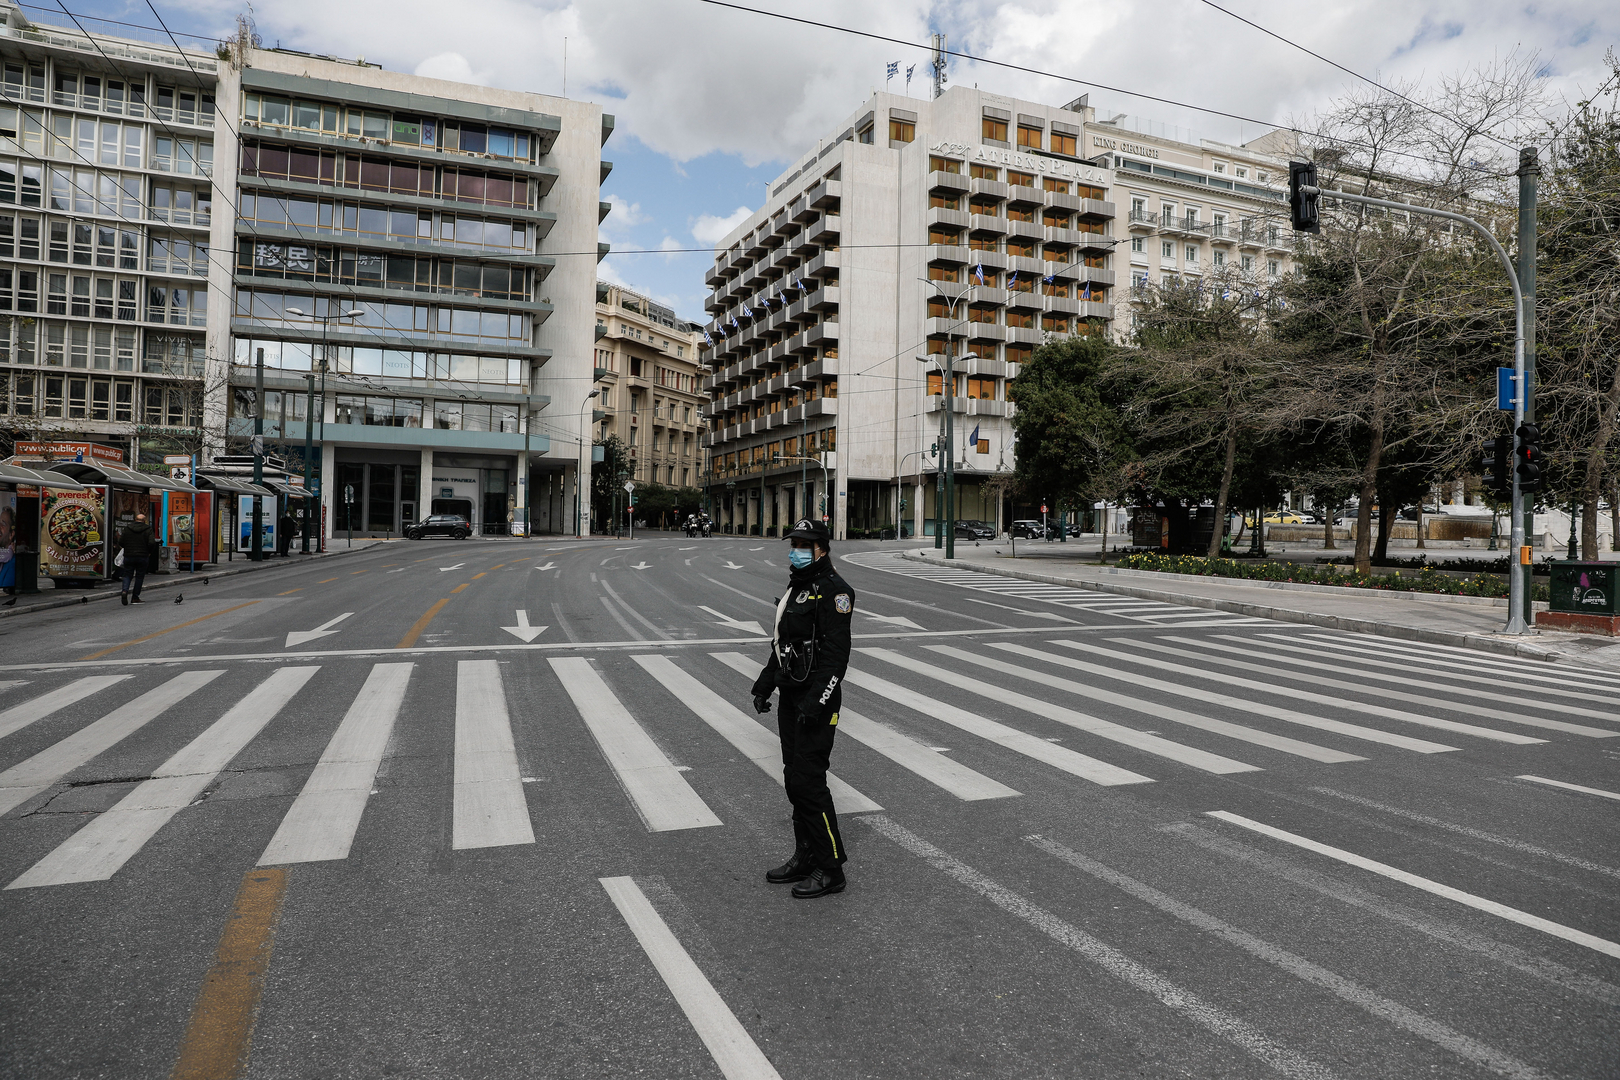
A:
{"points": [[1529, 173], [950, 465], [257, 553], [310, 502]]}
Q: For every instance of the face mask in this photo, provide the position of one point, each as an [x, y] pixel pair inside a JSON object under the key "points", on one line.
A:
{"points": [[801, 557]]}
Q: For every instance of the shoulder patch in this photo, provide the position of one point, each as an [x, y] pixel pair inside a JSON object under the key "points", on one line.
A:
{"points": [[844, 603]]}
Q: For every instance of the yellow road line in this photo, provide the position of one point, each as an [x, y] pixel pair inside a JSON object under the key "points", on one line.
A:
{"points": [[360, 572], [326, 580], [475, 577], [458, 588], [170, 630], [495, 567], [289, 592], [421, 624], [220, 1033]]}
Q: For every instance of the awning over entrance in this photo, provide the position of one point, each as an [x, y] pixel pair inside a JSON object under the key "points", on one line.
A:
{"points": [[107, 473], [235, 485]]}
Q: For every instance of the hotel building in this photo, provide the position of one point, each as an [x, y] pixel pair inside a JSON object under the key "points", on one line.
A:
{"points": [[970, 222]]}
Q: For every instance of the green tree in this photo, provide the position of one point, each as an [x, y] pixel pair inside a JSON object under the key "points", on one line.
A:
{"points": [[1072, 441]]}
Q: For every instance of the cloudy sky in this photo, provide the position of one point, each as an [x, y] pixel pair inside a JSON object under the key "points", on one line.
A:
{"points": [[711, 102]]}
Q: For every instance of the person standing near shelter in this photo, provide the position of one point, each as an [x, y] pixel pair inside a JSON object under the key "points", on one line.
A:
{"points": [[284, 534], [135, 544], [809, 655]]}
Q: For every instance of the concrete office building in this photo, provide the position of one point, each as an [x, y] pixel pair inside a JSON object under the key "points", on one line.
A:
{"points": [[106, 148], [428, 209], [969, 221], [648, 370]]}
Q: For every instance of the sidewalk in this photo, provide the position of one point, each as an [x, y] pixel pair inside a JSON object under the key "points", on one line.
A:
{"points": [[71, 596], [1464, 621]]}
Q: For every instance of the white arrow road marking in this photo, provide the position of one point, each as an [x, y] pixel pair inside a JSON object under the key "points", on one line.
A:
{"points": [[523, 631], [298, 637], [756, 549], [641, 565], [401, 570], [548, 566], [897, 620], [692, 548], [735, 624], [458, 566], [732, 566]]}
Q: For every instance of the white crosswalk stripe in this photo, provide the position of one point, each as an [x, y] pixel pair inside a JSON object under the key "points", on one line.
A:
{"points": [[489, 808], [752, 739], [926, 762], [660, 793], [97, 851], [1474, 660], [324, 818], [20, 716], [1139, 740], [1078, 598], [22, 782]]}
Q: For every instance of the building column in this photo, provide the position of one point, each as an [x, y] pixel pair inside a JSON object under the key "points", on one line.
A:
{"points": [[918, 516], [424, 485], [329, 498]]}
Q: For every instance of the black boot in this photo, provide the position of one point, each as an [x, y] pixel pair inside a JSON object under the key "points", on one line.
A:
{"points": [[820, 883], [795, 869]]}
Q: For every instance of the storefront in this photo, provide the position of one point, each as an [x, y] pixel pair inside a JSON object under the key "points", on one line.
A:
{"points": [[481, 489]]}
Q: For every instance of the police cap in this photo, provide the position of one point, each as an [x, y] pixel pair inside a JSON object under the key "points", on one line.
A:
{"points": [[811, 529]]}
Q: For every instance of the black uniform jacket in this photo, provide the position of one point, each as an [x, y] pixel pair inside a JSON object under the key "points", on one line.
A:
{"points": [[819, 607]]}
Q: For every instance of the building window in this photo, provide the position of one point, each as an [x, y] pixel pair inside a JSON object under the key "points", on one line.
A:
{"points": [[1029, 137], [1248, 263], [1137, 244], [1063, 144], [1272, 267], [1242, 172], [902, 131], [1218, 258], [1167, 250], [995, 130], [1220, 166], [1192, 254], [984, 172], [944, 164], [865, 134]]}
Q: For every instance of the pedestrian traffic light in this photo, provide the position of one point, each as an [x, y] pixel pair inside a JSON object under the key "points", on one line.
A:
{"points": [[1303, 200], [1528, 455], [1493, 468]]}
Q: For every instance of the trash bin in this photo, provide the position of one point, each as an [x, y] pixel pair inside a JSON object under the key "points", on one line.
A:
{"points": [[1584, 587]]}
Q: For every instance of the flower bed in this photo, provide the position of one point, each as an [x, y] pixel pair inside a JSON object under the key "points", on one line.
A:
{"points": [[1428, 579]]}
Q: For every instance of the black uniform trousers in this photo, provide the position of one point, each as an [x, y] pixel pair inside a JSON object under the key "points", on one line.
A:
{"points": [[807, 743]]}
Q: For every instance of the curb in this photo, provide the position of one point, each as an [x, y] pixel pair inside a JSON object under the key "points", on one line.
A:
{"points": [[1461, 639], [172, 583]]}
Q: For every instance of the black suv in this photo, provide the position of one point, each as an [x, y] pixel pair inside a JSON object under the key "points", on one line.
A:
{"points": [[974, 530], [454, 526]]}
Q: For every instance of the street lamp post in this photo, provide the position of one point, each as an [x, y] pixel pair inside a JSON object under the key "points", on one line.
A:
{"points": [[309, 416], [583, 469], [947, 514], [899, 499]]}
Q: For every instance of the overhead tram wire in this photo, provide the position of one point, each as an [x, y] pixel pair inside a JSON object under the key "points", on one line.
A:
{"points": [[1348, 71], [1086, 82]]}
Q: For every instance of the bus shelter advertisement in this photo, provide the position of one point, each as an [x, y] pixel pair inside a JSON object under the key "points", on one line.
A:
{"points": [[73, 541]]}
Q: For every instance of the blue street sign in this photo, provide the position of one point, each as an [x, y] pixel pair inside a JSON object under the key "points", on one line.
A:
{"points": [[1506, 385]]}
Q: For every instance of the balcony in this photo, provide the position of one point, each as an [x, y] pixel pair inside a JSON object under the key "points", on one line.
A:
{"points": [[1249, 237], [1028, 300], [1024, 335], [1061, 305], [1060, 201], [1143, 221], [1090, 309], [827, 406], [959, 406], [821, 333], [803, 246], [1032, 231], [823, 298], [1222, 233], [825, 194], [994, 189], [988, 407], [985, 223], [1097, 242], [947, 183], [1065, 237], [827, 260], [949, 253], [1172, 225], [986, 331], [956, 219], [714, 277], [1019, 195], [1096, 208], [802, 211]]}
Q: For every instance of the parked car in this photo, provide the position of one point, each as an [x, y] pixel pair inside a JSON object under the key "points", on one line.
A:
{"points": [[454, 526], [1030, 529], [1319, 517], [974, 530], [1410, 513]]}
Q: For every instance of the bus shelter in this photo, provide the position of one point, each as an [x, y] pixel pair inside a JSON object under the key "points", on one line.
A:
{"points": [[22, 491]]}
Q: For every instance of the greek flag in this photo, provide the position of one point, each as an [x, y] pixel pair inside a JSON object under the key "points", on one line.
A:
{"points": [[1049, 278], [1012, 279], [707, 340], [734, 325], [909, 70], [978, 272], [1085, 294], [894, 69], [801, 284]]}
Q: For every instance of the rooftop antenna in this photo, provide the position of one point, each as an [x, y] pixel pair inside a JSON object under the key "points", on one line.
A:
{"points": [[938, 45], [565, 67]]}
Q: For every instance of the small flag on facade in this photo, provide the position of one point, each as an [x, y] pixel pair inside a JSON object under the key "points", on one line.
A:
{"points": [[1085, 293], [978, 272], [802, 287], [973, 439], [894, 69], [1012, 279], [707, 339], [734, 325]]}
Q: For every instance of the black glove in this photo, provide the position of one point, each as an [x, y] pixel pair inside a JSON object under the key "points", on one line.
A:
{"points": [[762, 703]]}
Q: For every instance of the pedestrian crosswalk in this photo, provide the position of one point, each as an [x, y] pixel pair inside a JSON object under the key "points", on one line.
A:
{"points": [[962, 720], [1076, 598]]}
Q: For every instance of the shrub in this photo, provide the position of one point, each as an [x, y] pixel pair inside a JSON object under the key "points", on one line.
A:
{"points": [[1427, 579]]}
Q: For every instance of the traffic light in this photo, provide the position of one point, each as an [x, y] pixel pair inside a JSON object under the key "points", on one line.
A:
{"points": [[1494, 468], [1302, 204], [1528, 455]]}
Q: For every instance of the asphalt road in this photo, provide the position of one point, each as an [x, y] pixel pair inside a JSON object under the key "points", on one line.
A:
{"points": [[501, 809]]}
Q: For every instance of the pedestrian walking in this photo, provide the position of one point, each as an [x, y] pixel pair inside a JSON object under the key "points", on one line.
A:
{"points": [[135, 544], [809, 654], [285, 528]]}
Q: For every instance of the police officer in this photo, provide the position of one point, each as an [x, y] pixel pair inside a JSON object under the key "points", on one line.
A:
{"points": [[809, 655]]}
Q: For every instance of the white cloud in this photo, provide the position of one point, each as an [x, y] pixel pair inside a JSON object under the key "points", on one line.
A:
{"points": [[452, 67], [625, 212], [708, 229]]}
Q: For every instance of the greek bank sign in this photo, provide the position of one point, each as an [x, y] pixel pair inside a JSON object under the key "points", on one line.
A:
{"points": [[1051, 166]]}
